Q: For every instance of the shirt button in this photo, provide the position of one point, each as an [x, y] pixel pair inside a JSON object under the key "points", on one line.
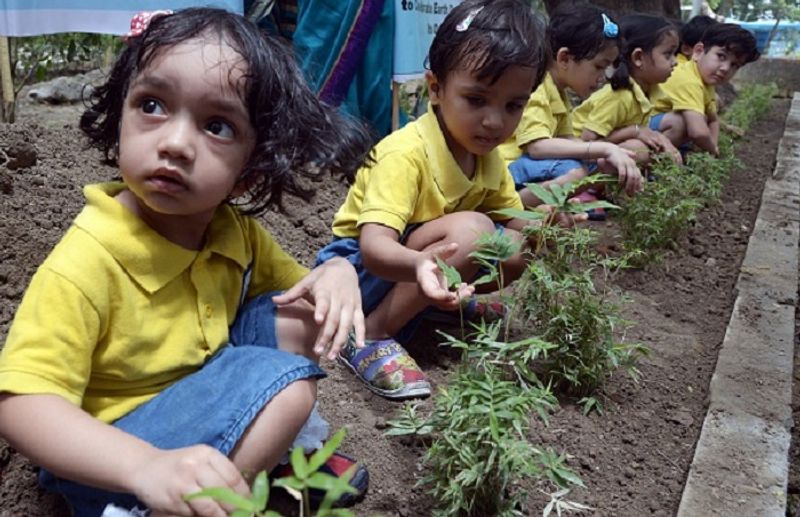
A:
{"points": [[209, 311]]}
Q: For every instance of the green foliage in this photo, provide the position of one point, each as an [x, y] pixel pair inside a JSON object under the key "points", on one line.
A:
{"points": [[562, 306], [305, 476], [751, 10], [479, 450], [755, 101], [36, 58], [656, 218]]}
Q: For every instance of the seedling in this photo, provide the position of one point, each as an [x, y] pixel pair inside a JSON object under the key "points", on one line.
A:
{"points": [[306, 476]]}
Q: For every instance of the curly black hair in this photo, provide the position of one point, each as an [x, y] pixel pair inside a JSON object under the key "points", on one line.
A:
{"points": [[295, 132], [499, 34]]}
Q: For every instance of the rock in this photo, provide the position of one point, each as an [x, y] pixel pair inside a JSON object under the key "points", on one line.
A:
{"points": [[20, 154], [62, 90], [6, 184], [681, 417]]}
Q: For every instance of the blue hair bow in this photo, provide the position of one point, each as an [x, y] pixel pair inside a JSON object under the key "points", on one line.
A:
{"points": [[610, 29]]}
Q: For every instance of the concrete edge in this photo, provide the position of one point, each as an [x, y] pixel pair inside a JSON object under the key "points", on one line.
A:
{"points": [[741, 464]]}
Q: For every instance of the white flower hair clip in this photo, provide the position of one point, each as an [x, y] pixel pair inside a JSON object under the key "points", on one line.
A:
{"points": [[467, 21]]}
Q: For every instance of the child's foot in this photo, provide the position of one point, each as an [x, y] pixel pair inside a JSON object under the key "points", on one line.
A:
{"points": [[476, 309], [386, 368], [595, 214], [335, 466]]}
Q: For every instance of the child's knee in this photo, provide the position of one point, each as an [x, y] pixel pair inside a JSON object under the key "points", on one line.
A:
{"points": [[469, 227]]}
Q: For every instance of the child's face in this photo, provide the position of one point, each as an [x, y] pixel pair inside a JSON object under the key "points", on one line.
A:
{"points": [[479, 116], [587, 75], [716, 65], [185, 133], [655, 66]]}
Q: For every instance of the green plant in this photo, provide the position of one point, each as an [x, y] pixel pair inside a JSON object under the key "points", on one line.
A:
{"points": [[752, 102], [478, 430], [563, 306], [306, 475]]}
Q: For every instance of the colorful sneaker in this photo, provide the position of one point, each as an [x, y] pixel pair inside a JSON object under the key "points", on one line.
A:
{"points": [[335, 466], [386, 368]]}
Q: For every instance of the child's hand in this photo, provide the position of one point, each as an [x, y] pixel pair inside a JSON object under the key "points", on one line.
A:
{"points": [[624, 164], [652, 139], [163, 479], [432, 282], [673, 151], [333, 290]]}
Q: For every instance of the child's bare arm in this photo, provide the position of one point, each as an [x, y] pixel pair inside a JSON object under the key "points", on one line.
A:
{"points": [[698, 130], [385, 257], [546, 148], [72, 444]]}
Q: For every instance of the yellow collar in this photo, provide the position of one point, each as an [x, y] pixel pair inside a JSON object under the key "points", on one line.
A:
{"points": [[150, 259]]}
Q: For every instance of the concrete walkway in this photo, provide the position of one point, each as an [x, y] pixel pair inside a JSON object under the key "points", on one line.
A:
{"points": [[740, 466]]}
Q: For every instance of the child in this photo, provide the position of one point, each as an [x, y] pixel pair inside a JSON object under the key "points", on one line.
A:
{"points": [[182, 370], [435, 186], [620, 111], [690, 35], [687, 109], [583, 43]]}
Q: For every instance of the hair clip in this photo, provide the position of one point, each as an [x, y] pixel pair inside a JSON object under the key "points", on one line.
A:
{"points": [[141, 21], [610, 29], [467, 21]]}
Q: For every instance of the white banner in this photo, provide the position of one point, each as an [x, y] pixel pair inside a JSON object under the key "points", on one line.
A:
{"points": [[34, 17], [416, 22]]}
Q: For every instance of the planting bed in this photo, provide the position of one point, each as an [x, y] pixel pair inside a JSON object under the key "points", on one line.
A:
{"points": [[633, 458]]}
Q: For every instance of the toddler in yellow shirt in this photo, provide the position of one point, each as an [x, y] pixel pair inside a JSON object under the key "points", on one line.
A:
{"points": [[687, 110], [620, 111], [436, 185], [153, 354], [543, 149]]}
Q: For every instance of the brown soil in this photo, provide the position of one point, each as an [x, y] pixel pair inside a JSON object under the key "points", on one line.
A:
{"points": [[634, 458]]}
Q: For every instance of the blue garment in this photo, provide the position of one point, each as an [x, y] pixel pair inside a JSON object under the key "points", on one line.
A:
{"points": [[213, 406], [342, 47], [529, 170]]}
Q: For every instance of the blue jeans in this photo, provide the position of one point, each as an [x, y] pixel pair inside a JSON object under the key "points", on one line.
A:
{"points": [[529, 170], [212, 406]]}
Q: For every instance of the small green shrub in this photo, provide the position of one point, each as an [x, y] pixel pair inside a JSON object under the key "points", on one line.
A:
{"points": [[305, 476]]}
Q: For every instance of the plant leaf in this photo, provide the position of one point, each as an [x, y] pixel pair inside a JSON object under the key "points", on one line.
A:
{"points": [[542, 193], [224, 495], [451, 274], [319, 458], [260, 491]]}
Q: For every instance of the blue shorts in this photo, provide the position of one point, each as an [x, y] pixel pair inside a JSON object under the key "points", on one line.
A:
{"points": [[655, 123], [213, 406], [530, 170]]}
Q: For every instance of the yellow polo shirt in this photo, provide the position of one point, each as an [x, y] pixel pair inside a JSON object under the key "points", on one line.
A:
{"points": [[415, 179], [117, 313], [685, 90], [681, 58], [546, 115], [607, 110]]}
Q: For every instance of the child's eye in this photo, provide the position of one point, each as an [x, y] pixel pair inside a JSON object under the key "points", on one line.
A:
{"points": [[475, 101], [152, 107], [221, 129], [514, 107]]}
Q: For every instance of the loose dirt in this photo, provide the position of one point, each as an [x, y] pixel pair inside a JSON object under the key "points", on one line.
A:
{"points": [[633, 458]]}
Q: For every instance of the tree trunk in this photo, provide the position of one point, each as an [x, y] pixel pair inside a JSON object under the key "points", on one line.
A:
{"points": [[667, 8]]}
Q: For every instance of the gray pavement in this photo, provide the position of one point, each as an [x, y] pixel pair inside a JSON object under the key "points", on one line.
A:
{"points": [[740, 466]]}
